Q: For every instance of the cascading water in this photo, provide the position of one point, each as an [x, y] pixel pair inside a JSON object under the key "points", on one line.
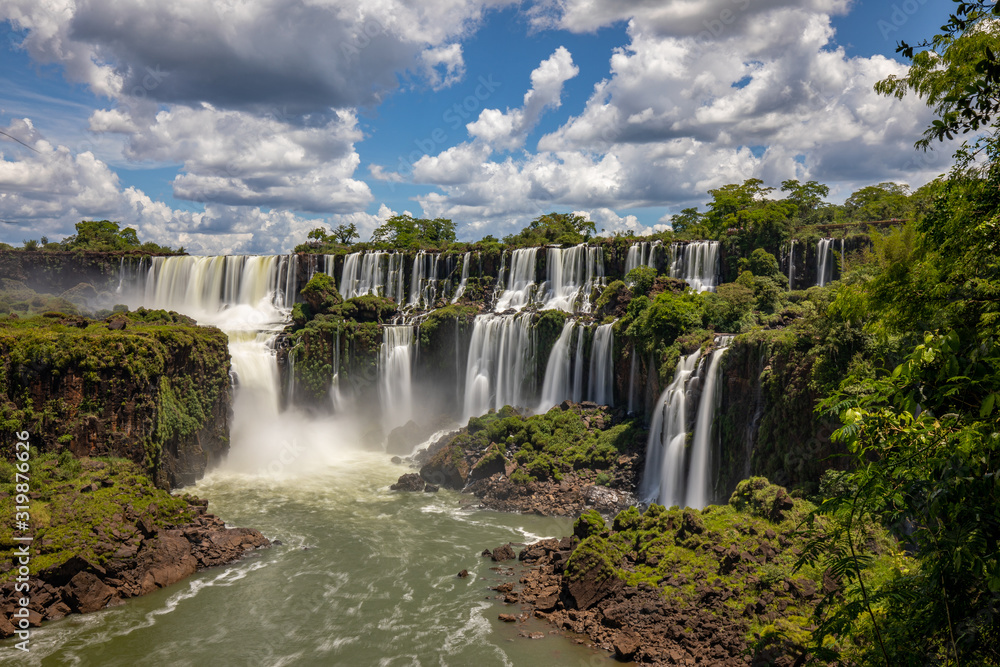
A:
{"points": [[631, 382], [423, 280], [572, 275], [577, 393], [500, 364], [395, 371], [466, 260], [824, 262], [248, 297], [663, 477], [557, 387], [791, 265], [600, 387], [697, 263], [699, 476], [520, 281], [373, 272], [641, 254]]}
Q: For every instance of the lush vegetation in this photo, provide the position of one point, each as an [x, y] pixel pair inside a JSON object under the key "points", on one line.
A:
{"points": [[78, 503], [742, 553], [100, 236], [63, 377]]}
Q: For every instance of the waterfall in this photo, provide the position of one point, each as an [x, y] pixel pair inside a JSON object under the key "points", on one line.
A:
{"points": [[520, 281], [631, 383], [697, 263], [556, 387], [572, 275], [373, 272], [601, 386], [500, 364], [577, 393], [337, 397], [699, 476], [824, 262], [466, 260], [395, 375], [245, 296], [663, 477], [423, 280], [791, 266], [641, 254]]}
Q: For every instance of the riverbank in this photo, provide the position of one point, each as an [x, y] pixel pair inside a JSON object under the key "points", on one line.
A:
{"points": [[103, 533], [683, 587]]}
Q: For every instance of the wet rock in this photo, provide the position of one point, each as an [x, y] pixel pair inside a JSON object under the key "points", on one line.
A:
{"points": [[463, 574], [507, 618], [503, 553], [87, 593], [409, 482]]}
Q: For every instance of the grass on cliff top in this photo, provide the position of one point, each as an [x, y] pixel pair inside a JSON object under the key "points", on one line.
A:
{"points": [[76, 507], [680, 552], [548, 445]]}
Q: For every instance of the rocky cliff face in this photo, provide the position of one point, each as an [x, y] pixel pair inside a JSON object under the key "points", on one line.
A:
{"points": [[768, 424], [148, 386]]}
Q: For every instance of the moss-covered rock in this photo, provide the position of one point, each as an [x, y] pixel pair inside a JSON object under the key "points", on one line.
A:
{"points": [[321, 294], [155, 391]]}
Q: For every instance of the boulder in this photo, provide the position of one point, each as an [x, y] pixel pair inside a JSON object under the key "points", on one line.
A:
{"points": [[87, 593], [409, 482], [503, 553], [626, 645]]}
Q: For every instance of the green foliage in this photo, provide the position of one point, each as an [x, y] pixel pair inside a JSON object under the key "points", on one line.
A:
{"points": [[807, 199], [589, 523], [610, 297], [66, 523], [102, 236], [321, 294], [729, 308], [641, 279], [956, 72], [564, 228], [405, 231], [688, 221], [162, 374], [885, 201], [926, 447]]}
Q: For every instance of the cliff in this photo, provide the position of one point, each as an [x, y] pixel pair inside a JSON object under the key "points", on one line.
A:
{"points": [[149, 386]]}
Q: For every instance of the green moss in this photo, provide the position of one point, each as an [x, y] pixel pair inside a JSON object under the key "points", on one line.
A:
{"points": [[589, 523], [320, 293], [162, 375], [66, 522]]}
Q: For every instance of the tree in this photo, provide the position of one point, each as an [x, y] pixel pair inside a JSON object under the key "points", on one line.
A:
{"points": [[565, 228], [956, 72], [745, 210], [405, 231], [108, 236], [688, 220], [346, 234], [885, 201], [807, 198]]}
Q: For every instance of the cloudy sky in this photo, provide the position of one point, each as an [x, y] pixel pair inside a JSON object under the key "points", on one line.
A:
{"points": [[237, 127]]}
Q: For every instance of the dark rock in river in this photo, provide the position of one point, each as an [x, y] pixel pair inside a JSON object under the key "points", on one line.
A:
{"points": [[411, 481]]}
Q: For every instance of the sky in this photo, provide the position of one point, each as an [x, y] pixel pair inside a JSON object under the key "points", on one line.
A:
{"points": [[237, 127]]}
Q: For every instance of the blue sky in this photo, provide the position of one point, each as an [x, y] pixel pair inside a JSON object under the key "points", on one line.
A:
{"points": [[239, 132]]}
